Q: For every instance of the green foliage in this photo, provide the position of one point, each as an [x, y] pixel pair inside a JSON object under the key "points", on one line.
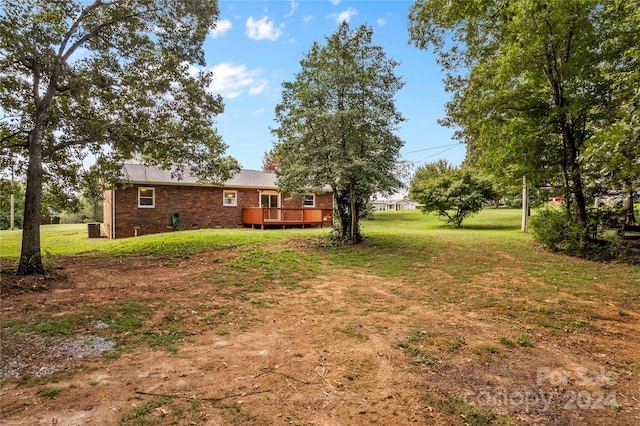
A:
{"points": [[531, 81], [451, 192], [5, 204], [336, 126], [555, 230], [110, 79]]}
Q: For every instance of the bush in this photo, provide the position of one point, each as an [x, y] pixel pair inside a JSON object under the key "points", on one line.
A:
{"points": [[555, 230]]}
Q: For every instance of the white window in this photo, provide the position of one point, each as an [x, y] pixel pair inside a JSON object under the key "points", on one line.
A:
{"points": [[230, 198], [146, 197], [309, 200]]}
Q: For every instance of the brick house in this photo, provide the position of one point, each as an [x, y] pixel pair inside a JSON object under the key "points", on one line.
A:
{"points": [[151, 201]]}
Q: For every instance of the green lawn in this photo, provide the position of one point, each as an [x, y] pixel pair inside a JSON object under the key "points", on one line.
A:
{"points": [[405, 228], [69, 240]]}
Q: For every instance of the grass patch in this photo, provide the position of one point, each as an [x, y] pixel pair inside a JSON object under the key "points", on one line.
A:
{"points": [[125, 316], [59, 326], [257, 269], [165, 340], [456, 344], [524, 340], [458, 408], [504, 340], [488, 353], [124, 321], [144, 414], [351, 330], [49, 392], [427, 348]]}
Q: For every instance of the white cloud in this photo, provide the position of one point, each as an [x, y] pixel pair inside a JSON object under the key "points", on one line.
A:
{"points": [[262, 29], [221, 27], [294, 6], [258, 87], [346, 15], [191, 70], [258, 112], [307, 19], [231, 80], [335, 2], [381, 21]]}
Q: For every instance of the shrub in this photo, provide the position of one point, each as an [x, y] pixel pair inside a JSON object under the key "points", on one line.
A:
{"points": [[555, 230]]}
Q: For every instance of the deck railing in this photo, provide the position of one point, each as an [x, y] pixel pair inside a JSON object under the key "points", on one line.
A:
{"points": [[265, 216]]}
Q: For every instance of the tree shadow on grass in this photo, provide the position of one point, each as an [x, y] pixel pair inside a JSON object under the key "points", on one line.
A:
{"points": [[491, 227]]}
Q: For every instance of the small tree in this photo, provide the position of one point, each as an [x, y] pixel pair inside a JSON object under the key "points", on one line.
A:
{"points": [[268, 161], [454, 193], [336, 126]]}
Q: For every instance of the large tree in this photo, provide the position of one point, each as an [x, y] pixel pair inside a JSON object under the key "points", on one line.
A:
{"points": [[337, 123], [614, 151], [109, 79], [528, 83]]}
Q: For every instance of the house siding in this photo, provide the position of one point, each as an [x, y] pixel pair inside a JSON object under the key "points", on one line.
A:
{"points": [[197, 206]]}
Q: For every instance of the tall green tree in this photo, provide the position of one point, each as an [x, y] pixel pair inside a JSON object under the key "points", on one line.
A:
{"points": [[612, 153], [528, 83], [337, 122], [108, 79]]}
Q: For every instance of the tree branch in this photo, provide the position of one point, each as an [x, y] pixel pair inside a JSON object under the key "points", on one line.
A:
{"points": [[99, 28], [76, 23], [58, 147], [11, 136]]}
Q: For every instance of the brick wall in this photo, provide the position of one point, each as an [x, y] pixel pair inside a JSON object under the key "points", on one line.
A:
{"points": [[197, 207]]}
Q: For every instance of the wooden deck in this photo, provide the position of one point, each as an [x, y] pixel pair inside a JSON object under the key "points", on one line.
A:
{"points": [[263, 216]]}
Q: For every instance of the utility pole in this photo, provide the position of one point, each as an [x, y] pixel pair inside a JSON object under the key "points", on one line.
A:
{"points": [[525, 205], [12, 200]]}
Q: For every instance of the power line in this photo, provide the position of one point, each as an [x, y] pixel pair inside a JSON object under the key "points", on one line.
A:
{"points": [[436, 154], [432, 148]]}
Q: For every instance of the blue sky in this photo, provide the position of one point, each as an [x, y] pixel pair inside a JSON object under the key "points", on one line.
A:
{"points": [[258, 45]]}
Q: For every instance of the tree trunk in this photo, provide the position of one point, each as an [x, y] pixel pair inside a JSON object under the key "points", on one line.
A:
{"points": [[575, 177], [30, 256], [347, 208], [354, 216]]}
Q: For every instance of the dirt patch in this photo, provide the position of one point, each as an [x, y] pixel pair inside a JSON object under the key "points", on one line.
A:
{"points": [[339, 348]]}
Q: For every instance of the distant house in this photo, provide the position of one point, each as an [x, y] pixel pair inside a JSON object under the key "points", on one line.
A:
{"points": [[393, 204], [151, 201]]}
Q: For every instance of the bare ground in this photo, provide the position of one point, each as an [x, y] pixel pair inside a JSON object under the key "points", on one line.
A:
{"points": [[344, 348]]}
